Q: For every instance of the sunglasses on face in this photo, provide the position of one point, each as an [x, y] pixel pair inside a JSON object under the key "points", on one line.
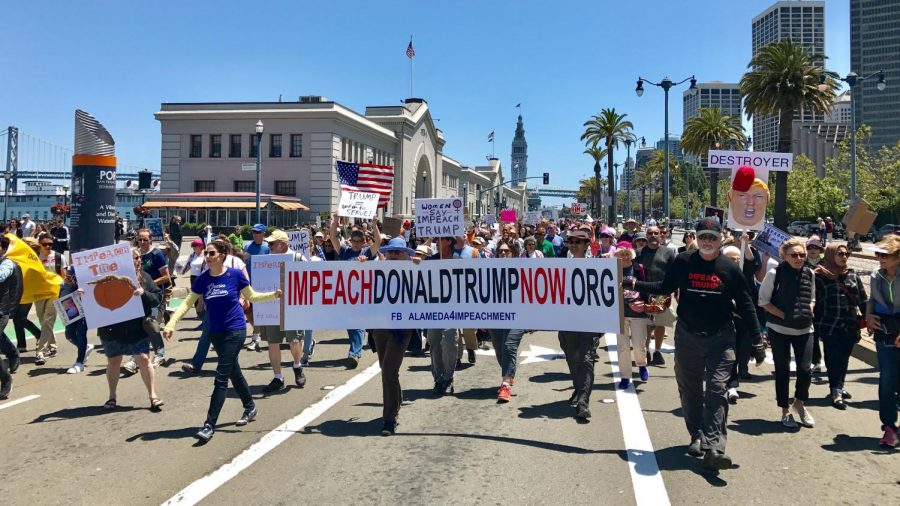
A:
{"points": [[707, 237], [46, 244], [504, 251], [883, 255], [143, 240], [575, 241], [843, 254], [798, 255], [653, 233], [211, 253]]}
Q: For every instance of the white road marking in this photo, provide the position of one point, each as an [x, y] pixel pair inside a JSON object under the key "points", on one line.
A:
{"points": [[539, 354], [196, 491], [18, 401], [649, 488]]}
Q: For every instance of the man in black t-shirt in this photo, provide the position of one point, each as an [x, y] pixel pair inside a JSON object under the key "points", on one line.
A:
{"points": [[711, 286]]}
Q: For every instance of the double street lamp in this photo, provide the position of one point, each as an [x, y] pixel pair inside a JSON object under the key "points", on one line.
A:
{"points": [[665, 84], [259, 132]]}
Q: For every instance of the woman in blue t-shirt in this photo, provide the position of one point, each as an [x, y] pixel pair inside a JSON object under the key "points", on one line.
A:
{"points": [[221, 288]]}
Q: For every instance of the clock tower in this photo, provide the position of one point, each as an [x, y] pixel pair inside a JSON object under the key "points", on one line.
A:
{"points": [[519, 165]]}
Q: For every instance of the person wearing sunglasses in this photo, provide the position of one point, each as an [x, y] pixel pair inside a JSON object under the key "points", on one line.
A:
{"points": [[840, 301], [45, 309], [710, 287], [221, 288], [788, 294], [883, 322]]}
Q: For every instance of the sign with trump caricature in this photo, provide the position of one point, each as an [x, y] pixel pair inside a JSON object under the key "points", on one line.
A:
{"points": [[748, 198]]}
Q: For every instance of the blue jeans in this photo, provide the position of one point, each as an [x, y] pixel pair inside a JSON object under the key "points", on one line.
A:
{"points": [[307, 341], [889, 365], [506, 347], [202, 345], [228, 345], [76, 333], [356, 341]]}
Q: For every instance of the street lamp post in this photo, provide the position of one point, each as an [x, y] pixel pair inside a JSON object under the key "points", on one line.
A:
{"points": [[665, 84], [628, 180], [259, 132]]}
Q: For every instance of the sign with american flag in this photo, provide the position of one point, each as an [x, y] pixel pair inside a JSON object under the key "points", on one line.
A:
{"points": [[367, 177]]}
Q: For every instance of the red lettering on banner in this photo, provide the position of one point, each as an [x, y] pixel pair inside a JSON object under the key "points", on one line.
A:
{"points": [[352, 279], [540, 285], [315, 282], [326, 287], [525, 276], [557, 286], [339, 291], [365, 289]]}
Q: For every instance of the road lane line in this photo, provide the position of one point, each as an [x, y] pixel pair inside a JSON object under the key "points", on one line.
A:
{"points": [[196, 491], [18, 401], [649, 488]]}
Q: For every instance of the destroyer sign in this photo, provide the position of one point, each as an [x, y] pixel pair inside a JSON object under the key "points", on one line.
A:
{"points": [[397, 294], [755, 159]]}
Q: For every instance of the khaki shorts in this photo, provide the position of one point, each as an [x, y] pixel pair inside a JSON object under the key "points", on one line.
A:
{"points": [[274, 335], [665, 319]]}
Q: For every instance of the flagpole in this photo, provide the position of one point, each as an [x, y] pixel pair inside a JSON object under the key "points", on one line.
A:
{"points": [[411, 58]]}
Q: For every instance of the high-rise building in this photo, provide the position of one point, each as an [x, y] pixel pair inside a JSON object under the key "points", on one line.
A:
{"points": [[840, 109], [519, 160], [725, 96], [643, 156], [674, 147], [874, 46], [804, 24], [627, 180]]}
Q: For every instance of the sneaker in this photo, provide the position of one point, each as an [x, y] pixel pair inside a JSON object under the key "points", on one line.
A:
{"points": [[512, 381], [312, 347], [52, 352], [658, 359], [248, 416], [76, 368], [299, 377], [624, 383], [304, 360], [582, 412], [205, 434], [190, 369], [352, 362], [276, 385], [788, 421], [39, 359], [389, 428], [438, 388], [732, 395], [889, 440], [503, 393], [816, 369], [157, 361], [448, 387], [5, 388], [695, 448], [714, 459], [803, 414], [253, 346], [645, 374], [87, 353], [845, 394], [471, 356], [129, 368]]}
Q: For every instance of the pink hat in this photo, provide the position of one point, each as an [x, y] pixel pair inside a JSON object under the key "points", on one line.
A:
{"points": [[196, 242], [624, 245]]}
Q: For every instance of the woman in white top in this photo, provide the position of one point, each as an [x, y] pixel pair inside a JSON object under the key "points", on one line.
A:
{"points": [[531, 249]]}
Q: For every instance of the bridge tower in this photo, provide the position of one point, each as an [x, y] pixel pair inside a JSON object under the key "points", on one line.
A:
{"points": [[519, 159]]}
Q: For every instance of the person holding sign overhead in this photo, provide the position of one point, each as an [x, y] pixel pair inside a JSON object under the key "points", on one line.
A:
{"points": [[221, 289]]}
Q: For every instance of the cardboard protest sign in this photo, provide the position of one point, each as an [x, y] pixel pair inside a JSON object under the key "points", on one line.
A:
{"points": [[859, 218], [759, 160], [69, 308], [770, 241], [298, 240], [748, 198], [550, 213], [109, 280], [515, 293], [392, 226], [265, 276], [508, 216], [533, 217], [155, 227], [358, 205], [439, 218]]}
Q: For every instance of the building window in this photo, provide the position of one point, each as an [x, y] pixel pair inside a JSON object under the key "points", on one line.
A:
{"points": [[245, 186], [274, 145], [215, 146], [254, 145], [196, 146], [234, 149], [286, 188], [204, 186], [297, 146]]}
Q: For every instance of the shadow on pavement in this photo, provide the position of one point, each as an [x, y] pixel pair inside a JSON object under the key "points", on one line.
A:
{"points": [[183, 433], [549, 377], [419, 368], [483, 393], [847, 443], [328, 364], [676, 458], [555, 410], [870, 380], [82, 412], [43, 371], [758, 427]]}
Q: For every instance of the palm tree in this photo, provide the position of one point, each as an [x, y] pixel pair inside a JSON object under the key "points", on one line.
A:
{"points": [[611, 128], [708, 130], [784, 79], [597, 154], [588, 188]]}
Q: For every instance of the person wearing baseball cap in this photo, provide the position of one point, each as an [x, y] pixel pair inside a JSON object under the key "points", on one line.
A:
{"points": [[711, 286], [258, 246]]}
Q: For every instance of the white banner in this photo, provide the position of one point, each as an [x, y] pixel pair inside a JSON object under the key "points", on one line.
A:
{"points": [[534, 294], [298, 240], [439, 218], [533, 217], [755, 159], [358, 205], [265, 276], [109, 280]]}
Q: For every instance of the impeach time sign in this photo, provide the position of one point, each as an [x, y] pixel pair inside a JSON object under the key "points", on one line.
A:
{"points": [[583, 294]]}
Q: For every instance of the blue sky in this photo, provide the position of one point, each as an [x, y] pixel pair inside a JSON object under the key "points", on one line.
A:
{"points": [[475, 60]]}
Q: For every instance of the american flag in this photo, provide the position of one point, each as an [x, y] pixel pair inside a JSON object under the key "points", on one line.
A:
{"points": [[410, 52], [367, 177]]}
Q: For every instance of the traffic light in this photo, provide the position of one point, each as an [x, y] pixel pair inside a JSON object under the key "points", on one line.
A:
{"points": [[546, 178]]}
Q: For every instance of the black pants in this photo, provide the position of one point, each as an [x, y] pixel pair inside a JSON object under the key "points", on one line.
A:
{"points": [[580, 349], [742, 349], [415, 342], [781, 355], [228, 345], [21, 323], [390, 357], [838, 348], [817, 350], [704, 361]]}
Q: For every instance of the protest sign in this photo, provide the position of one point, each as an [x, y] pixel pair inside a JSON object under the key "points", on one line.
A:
{"points": [[298, 240], [579, 209], [770, 241], [439, 218], [490, 219], [358, 205], [265, 276], [391, 226], [550, 213], [533, 217], [155, 227], [69, 308], [747, 198], [508, 216], [515, 293], [757, 159], [109, 280]]}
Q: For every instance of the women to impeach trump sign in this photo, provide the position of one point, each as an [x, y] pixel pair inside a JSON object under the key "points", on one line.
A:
{"points": [[545, 294]]}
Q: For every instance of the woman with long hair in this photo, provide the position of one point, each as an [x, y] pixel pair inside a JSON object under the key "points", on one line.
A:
{"points": [[221, 288]]}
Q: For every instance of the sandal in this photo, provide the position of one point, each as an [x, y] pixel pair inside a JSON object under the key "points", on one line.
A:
{"points": [[110, 405], [156, 404], [838, 403]]}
